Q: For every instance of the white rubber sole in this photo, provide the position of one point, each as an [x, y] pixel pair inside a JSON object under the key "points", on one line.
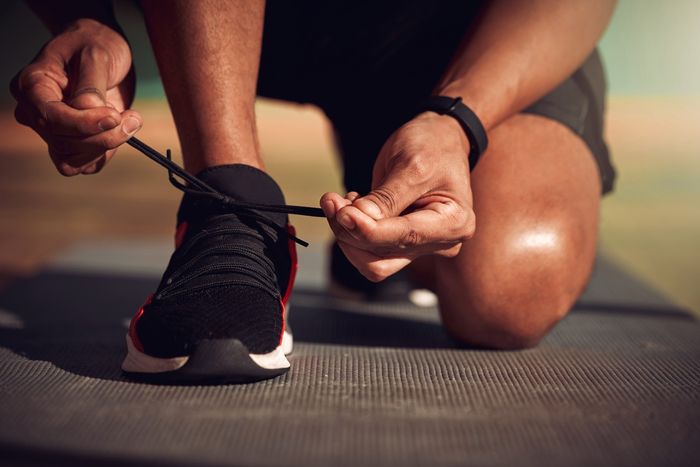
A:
{"points": [[139, 362]]}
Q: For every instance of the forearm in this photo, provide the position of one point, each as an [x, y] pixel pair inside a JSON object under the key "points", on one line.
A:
{"points": [[58, 15], [209, 53], [520, 50]]}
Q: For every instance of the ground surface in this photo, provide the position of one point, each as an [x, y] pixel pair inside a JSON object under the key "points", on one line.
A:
{"points": [[617, 383]]}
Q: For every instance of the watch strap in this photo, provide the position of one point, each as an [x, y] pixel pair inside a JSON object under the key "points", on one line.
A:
{"points": [[470, 123]]}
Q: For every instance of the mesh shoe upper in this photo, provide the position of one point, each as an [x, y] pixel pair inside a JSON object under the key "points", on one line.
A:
{"points": [[228, 274]]}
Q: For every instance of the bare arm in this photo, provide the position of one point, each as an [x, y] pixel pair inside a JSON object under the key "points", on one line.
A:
{"points": [[520, 50], [517, 52]]}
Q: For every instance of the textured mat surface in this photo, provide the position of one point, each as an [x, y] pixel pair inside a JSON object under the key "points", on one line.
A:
{"points": [[617, 383]]}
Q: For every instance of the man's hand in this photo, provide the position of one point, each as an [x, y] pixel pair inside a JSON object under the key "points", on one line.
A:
{"points": [[421, 201], [75, 94]]}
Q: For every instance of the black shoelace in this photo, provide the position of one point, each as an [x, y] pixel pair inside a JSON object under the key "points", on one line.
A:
{"points": [[251, 267], [242, 208]]}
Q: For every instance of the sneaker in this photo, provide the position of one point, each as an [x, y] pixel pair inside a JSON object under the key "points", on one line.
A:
{"points": [[219, 312]]}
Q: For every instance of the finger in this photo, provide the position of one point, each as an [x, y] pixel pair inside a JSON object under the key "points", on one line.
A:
{"points": [[343, 234], [332, 202], [75, 164], [72, 156], [89, 169], [39, 90], [437, 227], [397, 192], [44, 73], [379, 264], [40, 103], [90, 89], [99, 143], [352, 196], [373, 267], [64, 120], [71, 164], [97, 165]]}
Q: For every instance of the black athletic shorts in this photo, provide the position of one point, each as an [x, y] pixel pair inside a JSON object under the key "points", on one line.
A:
{"points": [[368, 65]]}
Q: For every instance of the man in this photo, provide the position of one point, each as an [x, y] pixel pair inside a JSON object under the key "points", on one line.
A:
{"points": [[507, 247]]}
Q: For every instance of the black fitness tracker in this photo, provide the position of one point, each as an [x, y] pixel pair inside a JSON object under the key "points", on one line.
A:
{"points": [[470, 123]]}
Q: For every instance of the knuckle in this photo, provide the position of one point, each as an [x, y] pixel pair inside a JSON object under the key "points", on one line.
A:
{"points": [[464, 224], [420, 170], [20, 80], [386, 199], [94, 167], [470, 226], [30, 76], [95, 53], [66, 169], [409, 239]]}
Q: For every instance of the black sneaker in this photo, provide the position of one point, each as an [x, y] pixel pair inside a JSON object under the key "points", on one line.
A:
{"points": [[218, 314]]}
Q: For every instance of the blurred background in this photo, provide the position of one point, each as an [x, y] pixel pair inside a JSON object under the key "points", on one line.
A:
{"points": [[650, 224]]}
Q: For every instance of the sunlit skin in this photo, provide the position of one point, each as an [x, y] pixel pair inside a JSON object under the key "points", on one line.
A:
{"points": [[507, 248]]}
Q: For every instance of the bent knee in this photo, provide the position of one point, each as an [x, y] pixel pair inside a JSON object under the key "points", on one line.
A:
{"points": [[515, 304], [505, 328]]}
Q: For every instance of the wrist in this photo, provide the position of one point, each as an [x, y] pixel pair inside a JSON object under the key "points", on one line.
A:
{"points": [[468, 120], [449, 125], [488, 103]]}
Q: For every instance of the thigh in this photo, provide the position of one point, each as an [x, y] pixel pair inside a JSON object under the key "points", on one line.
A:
{"points": [[536, 197]]}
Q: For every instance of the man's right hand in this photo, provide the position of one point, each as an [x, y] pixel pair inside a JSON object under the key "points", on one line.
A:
{"points": [[75, 94]]}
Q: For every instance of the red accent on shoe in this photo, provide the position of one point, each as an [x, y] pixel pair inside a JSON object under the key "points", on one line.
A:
{"points": [[292, 246], [180, 233], [132, 326], [284, 323]]}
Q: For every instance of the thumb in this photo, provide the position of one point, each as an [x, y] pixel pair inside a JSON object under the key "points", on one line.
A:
{"points": [[390, 198], [90, 87]]}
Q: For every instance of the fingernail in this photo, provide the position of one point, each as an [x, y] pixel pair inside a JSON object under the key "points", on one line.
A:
{"points": [[131, 126], [347, 222], [107, 123]]}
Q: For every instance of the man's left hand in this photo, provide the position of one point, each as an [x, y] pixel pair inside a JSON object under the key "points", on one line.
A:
{"points": [[420, 203]]}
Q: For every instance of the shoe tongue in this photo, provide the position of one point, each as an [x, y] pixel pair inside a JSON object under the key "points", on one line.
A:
{"points": [[240, 182]]}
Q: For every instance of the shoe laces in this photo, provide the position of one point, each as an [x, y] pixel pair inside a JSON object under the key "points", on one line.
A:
{"points": [[242, 208], [225, 235], [241, 262]]}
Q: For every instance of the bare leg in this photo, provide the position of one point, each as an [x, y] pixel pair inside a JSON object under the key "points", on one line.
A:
{"points": [[536, 195], [208, 53]]}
